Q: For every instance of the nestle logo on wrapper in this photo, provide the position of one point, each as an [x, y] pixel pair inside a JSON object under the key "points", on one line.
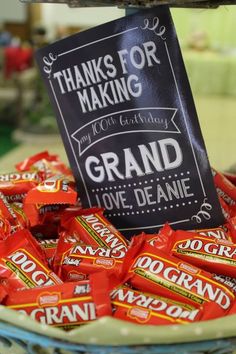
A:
{"points": [[132, 135], [49, 299], [188, 268], [141, 315], [106, 263], [75, 276]]}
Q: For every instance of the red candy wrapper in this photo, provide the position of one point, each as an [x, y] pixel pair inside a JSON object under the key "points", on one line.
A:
{"points": [[39, 214], [145, 308], [225, 189], [221, 233], [22, 263], [5, 228], [92, 228], [3, 293], [34, 162], [149, 269], [54, 190], [227, 212], [67, 305], [231, 177], [7, 213], [212, 254], [15, 185], [231, 226], [82, 260], [64, 245], [46, 218], [48, 165], [22, 219], [49, 247]]}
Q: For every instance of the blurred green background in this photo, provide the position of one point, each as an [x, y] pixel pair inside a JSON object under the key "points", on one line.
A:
{"points": [[208, 43]]}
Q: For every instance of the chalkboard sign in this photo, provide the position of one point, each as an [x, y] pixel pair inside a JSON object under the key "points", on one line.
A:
{"points": [[129, 124]]}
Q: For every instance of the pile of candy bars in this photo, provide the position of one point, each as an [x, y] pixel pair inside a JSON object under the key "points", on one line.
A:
{"points": [[66, 266]]}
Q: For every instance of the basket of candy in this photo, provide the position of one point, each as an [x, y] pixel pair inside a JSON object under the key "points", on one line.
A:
{"points": [[71, 282]]}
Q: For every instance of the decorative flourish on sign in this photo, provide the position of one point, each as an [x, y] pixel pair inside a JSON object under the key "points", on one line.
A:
{"points": [[203, 212], [153, 25], [48, 61]]}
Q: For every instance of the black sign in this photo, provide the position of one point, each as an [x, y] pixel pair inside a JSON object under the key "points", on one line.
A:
{"points": [[129, 125]]}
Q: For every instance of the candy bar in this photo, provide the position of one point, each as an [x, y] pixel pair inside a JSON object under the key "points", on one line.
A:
{"points": [[225, 189], [22, 220], [15, 185], [5, 228], [145, 308], [231, 177], [46, 164], [150, 269], [54, 190], [7, 213], [212, 254], [38, 214], [220, 233], [22, 263], [227, 212], [67, 305], [91, 227], [82, 260], [49, 247]]}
